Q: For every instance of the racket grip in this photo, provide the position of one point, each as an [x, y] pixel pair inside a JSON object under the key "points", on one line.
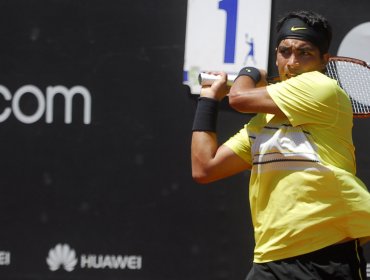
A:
{"points": [[208, 79]]}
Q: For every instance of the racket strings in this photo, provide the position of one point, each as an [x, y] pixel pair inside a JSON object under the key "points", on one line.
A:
{"points": [[354, 79]]}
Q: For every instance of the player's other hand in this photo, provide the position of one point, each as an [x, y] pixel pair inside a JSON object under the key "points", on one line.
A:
{"points": [[219, 88]]}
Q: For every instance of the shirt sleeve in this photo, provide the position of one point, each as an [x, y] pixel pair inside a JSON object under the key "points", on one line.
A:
{"points": [[308, 98], [240, 144]]}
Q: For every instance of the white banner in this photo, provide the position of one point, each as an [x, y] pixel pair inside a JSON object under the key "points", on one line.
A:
{"points": [[225, 35]]}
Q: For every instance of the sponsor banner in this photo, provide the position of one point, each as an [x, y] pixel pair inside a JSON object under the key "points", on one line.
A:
{"points": [[225, 36], [63, 257], [85, 138]]}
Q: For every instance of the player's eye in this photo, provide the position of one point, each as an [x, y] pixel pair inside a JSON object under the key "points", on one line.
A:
{"points": [[285, 51]]}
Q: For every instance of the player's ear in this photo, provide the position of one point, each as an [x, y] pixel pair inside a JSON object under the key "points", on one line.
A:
{"points": [[325, 59], [276, 63]]}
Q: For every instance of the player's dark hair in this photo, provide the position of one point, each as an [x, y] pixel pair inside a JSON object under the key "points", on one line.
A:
{"points": [[316, 21]]}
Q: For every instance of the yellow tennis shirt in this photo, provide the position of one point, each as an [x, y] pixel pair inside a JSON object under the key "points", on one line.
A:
{"points": [[303, 191]]}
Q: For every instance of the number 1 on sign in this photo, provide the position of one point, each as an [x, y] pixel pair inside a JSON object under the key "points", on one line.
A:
{"points": [[231, 9]]}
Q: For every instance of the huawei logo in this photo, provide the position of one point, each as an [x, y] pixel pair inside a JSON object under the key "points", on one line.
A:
{"points": [[61, 256]]}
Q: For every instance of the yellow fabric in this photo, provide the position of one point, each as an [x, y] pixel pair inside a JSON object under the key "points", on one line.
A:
{"points": [[303, 191]]}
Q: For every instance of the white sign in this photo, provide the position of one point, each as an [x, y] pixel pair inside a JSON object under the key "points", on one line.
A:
{"points": [[225, 35]]}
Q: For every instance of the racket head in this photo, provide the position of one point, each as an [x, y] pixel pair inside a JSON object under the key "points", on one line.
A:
{"points": [[353, 76]]}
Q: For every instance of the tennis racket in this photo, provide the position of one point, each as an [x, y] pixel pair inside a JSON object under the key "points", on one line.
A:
{"points": [[352, 75]]}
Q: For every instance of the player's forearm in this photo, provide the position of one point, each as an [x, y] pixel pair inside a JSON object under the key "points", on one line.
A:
{"points": [[239, 95], [247, 97]]}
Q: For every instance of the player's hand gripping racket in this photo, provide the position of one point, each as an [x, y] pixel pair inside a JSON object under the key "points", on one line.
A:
{"points": [[353, 76]]}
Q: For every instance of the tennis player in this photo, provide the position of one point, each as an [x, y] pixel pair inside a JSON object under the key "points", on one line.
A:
{"points": [[310, 212]]}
